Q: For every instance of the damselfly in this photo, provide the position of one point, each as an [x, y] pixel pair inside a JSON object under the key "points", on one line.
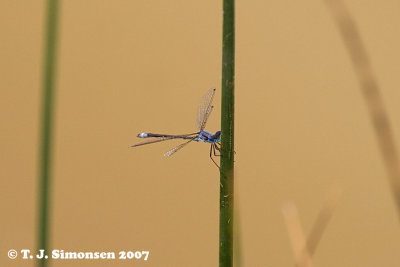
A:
{"points": [[204, 111]]}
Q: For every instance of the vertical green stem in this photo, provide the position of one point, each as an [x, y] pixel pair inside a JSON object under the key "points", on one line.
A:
{"points": [[227, 128], [46, 124]]}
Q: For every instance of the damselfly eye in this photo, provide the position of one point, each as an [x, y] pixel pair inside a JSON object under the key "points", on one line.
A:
{"points": [[217, 135]]}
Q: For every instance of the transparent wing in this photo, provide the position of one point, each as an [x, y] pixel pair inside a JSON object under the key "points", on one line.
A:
{"points": [[205, 117], [175, 149], [205, 109]]}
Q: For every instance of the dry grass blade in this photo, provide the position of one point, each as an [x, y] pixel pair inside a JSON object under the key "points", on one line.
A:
{"points": [[322, 220], [296, 234], [305, 249], [371, 92]]}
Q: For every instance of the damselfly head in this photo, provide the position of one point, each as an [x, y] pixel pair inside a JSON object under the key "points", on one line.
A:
{"points": [[217, 135]]}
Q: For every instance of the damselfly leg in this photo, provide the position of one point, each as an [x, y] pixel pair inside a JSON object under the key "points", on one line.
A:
{"points": [[213, 148]]}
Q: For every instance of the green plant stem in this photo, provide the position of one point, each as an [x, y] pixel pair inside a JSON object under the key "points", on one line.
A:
{"points": [[46, 124], [227, 128]]}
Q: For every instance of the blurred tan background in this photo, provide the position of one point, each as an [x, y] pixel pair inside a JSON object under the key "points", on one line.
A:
{"points": [[126, 67]]}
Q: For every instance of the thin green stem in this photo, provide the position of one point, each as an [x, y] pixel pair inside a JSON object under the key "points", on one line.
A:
{"points": [[227, 139], [46, 124]]}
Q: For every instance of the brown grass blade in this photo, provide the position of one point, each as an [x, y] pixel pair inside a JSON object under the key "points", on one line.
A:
{"points": [[371, 91]]}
